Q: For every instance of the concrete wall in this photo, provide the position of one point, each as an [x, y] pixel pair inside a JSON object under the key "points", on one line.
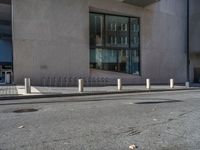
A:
{"points": [[52, 38], [195, 63], [163, 39], [194, 26], [194, 36]]}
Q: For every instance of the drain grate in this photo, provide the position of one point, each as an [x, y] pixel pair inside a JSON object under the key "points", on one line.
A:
{"points": [[26, 110]]}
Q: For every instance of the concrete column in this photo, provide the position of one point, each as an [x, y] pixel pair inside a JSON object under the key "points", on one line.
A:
{"points": [[80, 85], [148, 84], [27, 84], [119, 84], [171, 83]]}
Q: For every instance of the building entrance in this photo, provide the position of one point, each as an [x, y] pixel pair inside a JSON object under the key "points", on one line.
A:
{"points": [[5, 75], [6, 50]]}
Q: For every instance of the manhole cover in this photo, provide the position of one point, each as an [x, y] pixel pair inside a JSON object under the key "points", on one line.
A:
{"points": [[26, 110]]}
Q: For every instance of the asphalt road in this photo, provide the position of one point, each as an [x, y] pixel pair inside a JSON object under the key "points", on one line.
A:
{"points": [[152, 121]]}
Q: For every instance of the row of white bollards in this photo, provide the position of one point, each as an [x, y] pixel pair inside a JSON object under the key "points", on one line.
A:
{"points": [[81, 85], [27, 83], [148, 84], [119, 84]]}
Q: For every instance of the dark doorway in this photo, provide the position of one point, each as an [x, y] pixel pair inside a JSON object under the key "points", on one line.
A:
{"points": [[6, 48], [196, 75]]}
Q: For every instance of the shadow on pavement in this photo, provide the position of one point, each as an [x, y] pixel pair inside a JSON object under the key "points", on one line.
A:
{"points": [[159, 102]]}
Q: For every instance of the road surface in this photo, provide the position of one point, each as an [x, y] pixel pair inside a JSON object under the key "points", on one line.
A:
{"points": [[151, 121]]}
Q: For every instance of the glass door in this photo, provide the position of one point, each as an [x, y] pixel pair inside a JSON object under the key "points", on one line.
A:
{"points": [[8, 77]]}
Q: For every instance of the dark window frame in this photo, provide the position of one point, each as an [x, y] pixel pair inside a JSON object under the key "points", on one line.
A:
{"points": [[129, 36]]}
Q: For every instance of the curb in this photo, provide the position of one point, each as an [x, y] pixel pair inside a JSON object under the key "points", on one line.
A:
{"points": [[18, 97]]}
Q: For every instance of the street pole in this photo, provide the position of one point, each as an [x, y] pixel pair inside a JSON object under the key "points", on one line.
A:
{"points": [[188, 44]]}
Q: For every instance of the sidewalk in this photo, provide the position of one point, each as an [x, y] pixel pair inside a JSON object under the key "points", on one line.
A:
{"points": [[8, 90], [18, 92], [74, 90]]}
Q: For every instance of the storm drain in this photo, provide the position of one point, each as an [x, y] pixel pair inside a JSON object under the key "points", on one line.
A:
{"points": [[26, 110]]}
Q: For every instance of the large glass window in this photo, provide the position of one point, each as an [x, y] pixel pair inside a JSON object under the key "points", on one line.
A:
{"points": [[115, 43], [96, 29], [117, 32]]}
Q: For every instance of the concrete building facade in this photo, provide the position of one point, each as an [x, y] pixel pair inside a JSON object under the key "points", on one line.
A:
{"points": [[194, 41], [52, 39]]}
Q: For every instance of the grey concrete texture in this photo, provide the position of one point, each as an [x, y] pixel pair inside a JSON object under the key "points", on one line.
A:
{"points": [[194, 26], [141, 3], [51, 38], [194, 36], [38, 92], [8, 91], [159, 121], [106, 89]]}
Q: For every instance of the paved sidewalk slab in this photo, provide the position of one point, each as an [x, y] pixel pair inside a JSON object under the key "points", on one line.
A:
{"points": [[21, 91], [48, 92], [73, 90], [8, 90]]}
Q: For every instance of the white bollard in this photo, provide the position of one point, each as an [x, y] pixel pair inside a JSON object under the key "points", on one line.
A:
{"points": [[119, 84], [171, 83], [27, 84], [187, 84], [148, 84], [80, 85]]}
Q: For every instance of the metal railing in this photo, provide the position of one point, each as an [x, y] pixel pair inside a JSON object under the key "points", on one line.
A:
{"points": [[73, 81]]}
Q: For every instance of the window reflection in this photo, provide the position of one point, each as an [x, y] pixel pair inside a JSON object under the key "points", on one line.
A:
{"points": [[134, 32], [96, 30], [117, 34], [104, 59], [114, 43]]}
